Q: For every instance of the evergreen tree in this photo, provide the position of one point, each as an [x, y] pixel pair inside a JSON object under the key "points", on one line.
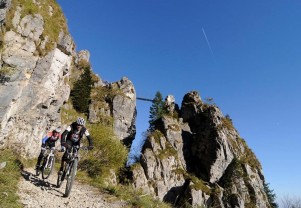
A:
{"points": [[156, 110], [81, 92], [271, 195]]}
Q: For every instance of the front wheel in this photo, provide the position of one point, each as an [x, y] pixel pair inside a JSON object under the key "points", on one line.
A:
{"points": [[70, 178], [48, 167]]}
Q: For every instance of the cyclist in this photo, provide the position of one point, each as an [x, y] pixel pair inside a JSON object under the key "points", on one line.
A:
{"points": [[72, 137], [48, 141]]}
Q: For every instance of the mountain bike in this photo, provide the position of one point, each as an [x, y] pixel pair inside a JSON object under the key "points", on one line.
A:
{"points": [[70, 169], [47, 163]]}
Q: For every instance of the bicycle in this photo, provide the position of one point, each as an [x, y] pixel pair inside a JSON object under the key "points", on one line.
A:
{"points": [[70, 169], [47, 164]]}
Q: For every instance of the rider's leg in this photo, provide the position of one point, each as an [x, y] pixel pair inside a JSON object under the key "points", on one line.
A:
{"points": [[40, 158], [63, 161], [65, 155]]}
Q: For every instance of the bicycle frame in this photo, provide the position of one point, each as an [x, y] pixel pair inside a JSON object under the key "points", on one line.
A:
{"points": [[48, 163], [50, 154], [73, 154]]}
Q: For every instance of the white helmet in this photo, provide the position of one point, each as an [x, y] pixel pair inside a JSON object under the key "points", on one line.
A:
{"points": [[58, 129], [80, 121]]}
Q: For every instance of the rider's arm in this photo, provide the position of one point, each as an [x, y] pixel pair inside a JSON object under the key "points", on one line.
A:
{"points": [[87, 134], [64, 135], [44, 139]]}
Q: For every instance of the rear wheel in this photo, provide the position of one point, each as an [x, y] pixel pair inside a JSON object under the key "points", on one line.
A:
{"points": [[48, 167], [70, 178]]}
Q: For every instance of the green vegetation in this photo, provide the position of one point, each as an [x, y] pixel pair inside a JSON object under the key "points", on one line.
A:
{"points": [[54, 19], [227, 122], [108, 153], [271, 195], [234, 171], [9, 178], [199, 184], [156, 134], [156, 110], [81, 92], [248, 156], [136, 198]]}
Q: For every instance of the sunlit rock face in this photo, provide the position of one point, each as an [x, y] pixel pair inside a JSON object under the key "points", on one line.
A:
{"points": [[33, 87], [199, 158], [121, 107]]}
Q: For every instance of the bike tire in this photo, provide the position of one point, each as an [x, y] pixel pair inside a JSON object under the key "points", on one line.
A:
{"points": [[71, 177], [48, 167]]}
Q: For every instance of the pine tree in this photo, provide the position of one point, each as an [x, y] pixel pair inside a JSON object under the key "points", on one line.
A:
{"points": [[156, 110], [81, 92], [271, 195]]}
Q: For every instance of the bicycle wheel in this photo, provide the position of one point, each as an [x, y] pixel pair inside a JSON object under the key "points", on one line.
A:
{"points": [[70, 178], [48, 167]]}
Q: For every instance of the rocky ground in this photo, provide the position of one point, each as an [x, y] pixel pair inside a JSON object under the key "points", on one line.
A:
{"points": [[35, 192]]}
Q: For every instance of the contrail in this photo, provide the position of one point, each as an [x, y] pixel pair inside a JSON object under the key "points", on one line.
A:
{"points": [[208, 43]]}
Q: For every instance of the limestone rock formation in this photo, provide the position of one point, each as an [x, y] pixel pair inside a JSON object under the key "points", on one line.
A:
{"points": [[199, 158], [33, 87], [35, 76], [118, 103]]}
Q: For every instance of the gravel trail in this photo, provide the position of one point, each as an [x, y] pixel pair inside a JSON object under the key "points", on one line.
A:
{"points": [[35, 192]]}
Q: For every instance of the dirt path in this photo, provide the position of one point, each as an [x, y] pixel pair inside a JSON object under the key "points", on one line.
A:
{"points": [[35, 192]]}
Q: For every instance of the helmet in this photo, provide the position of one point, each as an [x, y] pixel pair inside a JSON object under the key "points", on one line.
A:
{"points": [[80, 121], [58, 129]]}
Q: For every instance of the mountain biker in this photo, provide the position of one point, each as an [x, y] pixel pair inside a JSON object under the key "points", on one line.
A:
{"points": [[72, 137], [48, 141]]}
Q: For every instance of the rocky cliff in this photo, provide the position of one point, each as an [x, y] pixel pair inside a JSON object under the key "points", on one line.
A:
{"points": [[196, 157], [33, 77], [38, 63]]}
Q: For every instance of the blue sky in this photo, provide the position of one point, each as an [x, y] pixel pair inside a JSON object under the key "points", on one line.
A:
{"points": [[249, 64]]}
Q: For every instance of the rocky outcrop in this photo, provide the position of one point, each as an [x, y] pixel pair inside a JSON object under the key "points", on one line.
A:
{"points": [[118, 101], [124, 111], [33, 87], [199, 158]]}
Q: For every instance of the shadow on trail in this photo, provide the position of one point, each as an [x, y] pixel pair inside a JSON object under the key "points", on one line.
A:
{"points": [[39, 182]]}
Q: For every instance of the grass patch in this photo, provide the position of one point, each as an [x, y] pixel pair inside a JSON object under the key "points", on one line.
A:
{"points": [[248, 156], [227, 122], [198, 184], [9, 178], [108, 153], [136, 198]]}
